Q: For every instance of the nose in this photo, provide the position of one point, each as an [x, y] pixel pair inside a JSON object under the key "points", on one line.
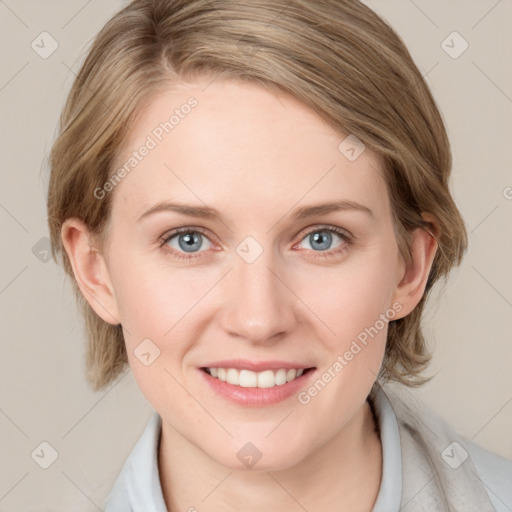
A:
{"points": [[258, 303]]}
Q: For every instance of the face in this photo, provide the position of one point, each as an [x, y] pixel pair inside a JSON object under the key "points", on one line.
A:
{"points": [[262, 278]]}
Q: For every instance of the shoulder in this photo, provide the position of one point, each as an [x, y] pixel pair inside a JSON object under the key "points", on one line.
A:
{"points": [[496, 474], [424, 433]]}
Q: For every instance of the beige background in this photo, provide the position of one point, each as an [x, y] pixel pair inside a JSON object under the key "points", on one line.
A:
{"points": [[44, 396]]}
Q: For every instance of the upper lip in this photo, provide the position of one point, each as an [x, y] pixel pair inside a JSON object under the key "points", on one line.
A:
{"points": [[255, 366]]}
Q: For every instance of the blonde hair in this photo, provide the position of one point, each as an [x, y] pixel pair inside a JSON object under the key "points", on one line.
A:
{"points": [[337, 56]]}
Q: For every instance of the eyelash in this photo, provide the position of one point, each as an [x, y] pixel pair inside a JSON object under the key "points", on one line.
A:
{"points": [[347, 239]]}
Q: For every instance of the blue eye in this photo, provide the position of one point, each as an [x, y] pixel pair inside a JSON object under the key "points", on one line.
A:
{"points": [[186, 243], [320, 239], [187, 240]]}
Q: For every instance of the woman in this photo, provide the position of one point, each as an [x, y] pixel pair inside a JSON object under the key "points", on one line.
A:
{"points": [[252, 200]]}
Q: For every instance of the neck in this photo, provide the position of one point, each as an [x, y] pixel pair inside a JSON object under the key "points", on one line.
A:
{"points": [[191, 480]]}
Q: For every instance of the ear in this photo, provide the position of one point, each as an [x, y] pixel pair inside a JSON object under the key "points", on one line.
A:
{"points": [[90, 269], [413, 277]]}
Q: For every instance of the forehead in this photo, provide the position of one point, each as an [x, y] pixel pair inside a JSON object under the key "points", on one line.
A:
{"points": [[236, 146]]}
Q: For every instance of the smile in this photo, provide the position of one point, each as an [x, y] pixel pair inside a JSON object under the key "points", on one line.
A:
{"points": [[250, 379]]}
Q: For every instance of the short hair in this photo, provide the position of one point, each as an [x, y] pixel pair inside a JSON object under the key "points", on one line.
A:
{"points": [[336, 56]]}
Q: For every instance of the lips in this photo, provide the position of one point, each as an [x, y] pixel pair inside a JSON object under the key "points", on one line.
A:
{"points": [[259, 389]]}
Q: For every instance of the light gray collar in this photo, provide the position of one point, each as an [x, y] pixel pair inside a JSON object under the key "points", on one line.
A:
{"points": [[438, 472]]}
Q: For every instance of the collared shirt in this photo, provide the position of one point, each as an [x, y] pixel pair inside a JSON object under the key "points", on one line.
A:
{"points": [[138, 489]]}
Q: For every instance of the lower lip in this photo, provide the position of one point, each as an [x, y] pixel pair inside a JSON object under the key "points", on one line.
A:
{"points": [[257, 397]]}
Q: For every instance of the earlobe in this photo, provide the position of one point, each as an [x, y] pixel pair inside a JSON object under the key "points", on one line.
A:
{"points": [[90, 269], [413, 280]]}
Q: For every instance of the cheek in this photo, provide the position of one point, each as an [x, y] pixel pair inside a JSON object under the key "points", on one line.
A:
{"points": [[155, 309], [150, 302], [352, 298], [356, 310], [158, 302]]}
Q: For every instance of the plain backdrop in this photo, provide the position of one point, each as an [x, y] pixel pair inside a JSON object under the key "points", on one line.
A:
{"points": [[44, 396]]}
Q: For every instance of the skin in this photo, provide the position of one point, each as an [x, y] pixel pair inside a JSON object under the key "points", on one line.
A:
{"points": [[255, 156]]}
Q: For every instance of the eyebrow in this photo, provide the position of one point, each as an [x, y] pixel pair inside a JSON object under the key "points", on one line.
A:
{"points": [[304, 212]]}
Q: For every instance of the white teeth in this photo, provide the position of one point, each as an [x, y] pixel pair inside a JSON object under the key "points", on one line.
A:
{"points": [[266, 379], [281, 377], [232, 376], [290, 375], [249, 379]]}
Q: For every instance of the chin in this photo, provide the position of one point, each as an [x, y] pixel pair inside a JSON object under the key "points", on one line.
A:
{"points": [[260, 456]]}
